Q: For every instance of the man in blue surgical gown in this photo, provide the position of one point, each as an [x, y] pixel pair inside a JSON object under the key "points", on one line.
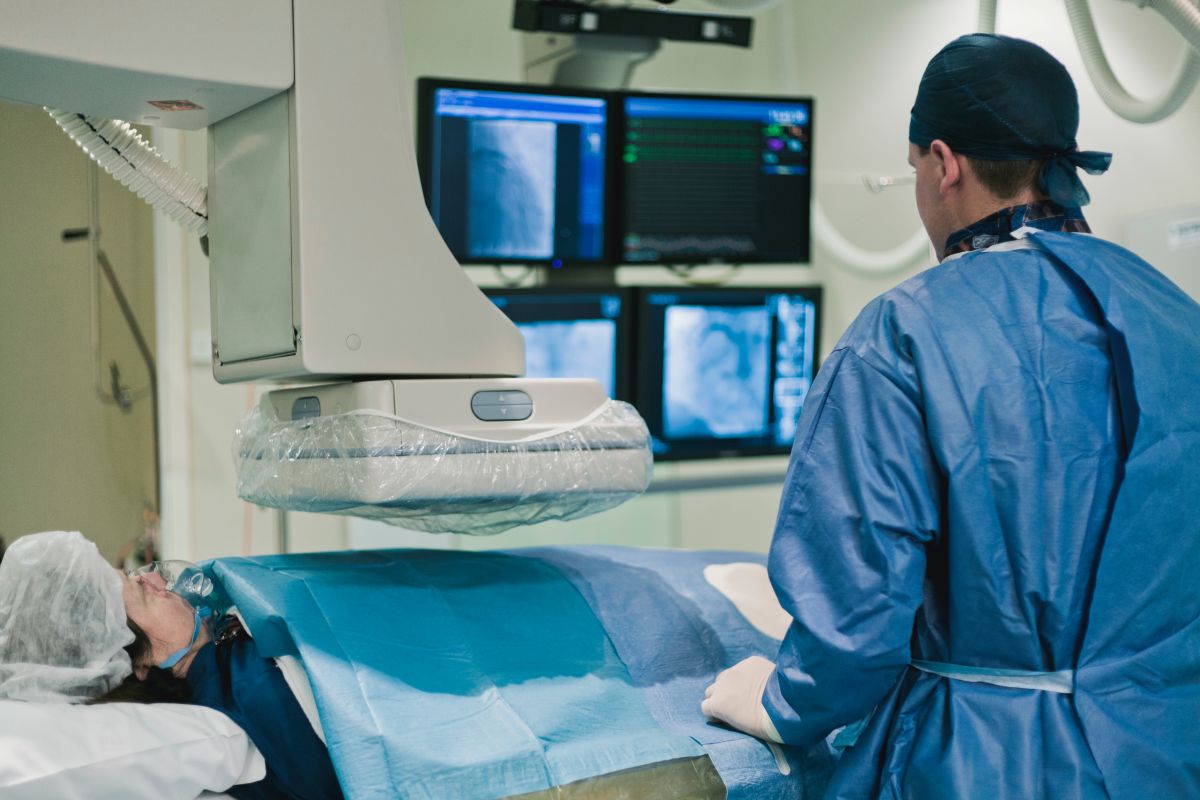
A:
{"points": [[988, 537]]}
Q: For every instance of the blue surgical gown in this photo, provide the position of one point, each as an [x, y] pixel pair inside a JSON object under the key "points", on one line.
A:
{"points": [[234, 679], [996, 469]]}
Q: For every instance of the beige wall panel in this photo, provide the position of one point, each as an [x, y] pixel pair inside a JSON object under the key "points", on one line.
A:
{"points": [[68, 459]]}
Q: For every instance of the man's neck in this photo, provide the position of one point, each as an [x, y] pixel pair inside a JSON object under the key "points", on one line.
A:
{"points": [[982, 204], [1003, 225], [975, 203]]}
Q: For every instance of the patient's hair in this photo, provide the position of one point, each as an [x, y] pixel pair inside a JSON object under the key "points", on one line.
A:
{"points": [[160, 686]]}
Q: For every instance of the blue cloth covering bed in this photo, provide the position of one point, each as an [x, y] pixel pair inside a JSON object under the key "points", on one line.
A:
{"points": [[485, 675]]}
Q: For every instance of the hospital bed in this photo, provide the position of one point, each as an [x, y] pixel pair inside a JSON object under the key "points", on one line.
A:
{"points": [[536, 674]]}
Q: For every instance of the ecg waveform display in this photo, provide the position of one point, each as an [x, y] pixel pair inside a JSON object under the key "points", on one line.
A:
{"points": [[715, 179], [678, 245]]}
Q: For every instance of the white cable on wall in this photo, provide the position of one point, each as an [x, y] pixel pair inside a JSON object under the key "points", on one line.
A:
{"points": [[1184, 16], [987, 16], [123, 153], [868, 262], [846, 254]]}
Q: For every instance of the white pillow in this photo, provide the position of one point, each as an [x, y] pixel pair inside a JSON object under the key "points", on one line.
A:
{"points": [[121, 750], [296, 677], [748, 587]]}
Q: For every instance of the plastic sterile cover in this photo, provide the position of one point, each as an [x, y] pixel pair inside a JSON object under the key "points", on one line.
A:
{"points": [[382, 467]]}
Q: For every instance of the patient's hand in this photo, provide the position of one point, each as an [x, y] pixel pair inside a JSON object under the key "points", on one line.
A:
{"points": [[735, 698]]}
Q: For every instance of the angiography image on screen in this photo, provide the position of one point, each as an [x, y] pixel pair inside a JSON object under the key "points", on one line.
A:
{"points": [[583, 348], [513, 173], [511, 189], [715, 371]]}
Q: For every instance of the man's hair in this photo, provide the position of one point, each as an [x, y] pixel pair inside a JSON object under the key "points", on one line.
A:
{"points": [[1004, 179]]}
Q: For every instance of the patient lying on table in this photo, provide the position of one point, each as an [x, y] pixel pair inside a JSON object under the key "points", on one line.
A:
{"points": [[72, 629], [537, 673]]}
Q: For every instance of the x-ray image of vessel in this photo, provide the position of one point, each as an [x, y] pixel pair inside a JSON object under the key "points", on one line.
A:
{"points": [[715, 371], [511, 193], [573, 349]]}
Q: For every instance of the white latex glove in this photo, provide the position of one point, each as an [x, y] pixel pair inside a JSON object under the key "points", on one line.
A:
{"points": [[735, 698]]}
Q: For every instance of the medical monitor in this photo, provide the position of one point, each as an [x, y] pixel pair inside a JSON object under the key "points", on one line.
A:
{"points": [[573, 333], [724, 372], [515, 173], [714, 179]]}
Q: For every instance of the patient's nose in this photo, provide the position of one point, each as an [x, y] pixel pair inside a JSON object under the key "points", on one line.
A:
{"points": [[155, 580]]}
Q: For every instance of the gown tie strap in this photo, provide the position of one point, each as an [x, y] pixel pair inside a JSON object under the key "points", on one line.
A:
{"points": [[1060, 682]]}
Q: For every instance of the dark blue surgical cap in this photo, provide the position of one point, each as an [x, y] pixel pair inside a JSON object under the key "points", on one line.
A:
{"points": [[997, 98]]}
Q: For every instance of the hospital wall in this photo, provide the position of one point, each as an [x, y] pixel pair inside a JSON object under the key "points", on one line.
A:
{"points": [[70, 458], [860, 60]]}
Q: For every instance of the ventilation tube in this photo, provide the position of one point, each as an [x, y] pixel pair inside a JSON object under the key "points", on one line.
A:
{"points": [[868, 262], [123, 153], [1184, 15], [1180, 13], [987, 16]]}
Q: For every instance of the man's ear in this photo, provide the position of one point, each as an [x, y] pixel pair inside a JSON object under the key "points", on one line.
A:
{"points": [[948, 164], [141, 672]]}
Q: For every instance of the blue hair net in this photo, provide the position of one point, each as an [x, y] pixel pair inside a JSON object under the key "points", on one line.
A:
{"points": [[997, 98]]}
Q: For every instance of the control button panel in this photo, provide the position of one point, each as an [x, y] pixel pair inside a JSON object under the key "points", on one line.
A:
{"points": [[306, 408], [493, 406]]}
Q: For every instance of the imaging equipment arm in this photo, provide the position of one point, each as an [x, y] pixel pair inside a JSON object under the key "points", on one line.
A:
{"points": [[325, 264], [323, 255]]}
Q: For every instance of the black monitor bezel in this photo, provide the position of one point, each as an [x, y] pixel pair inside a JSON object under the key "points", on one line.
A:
{"points": [[614, 211], [648, 388], [426, 90], [623, 380]]}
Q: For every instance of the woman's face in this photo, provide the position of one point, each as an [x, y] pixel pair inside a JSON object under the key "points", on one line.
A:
{"points": [[167, 619]]}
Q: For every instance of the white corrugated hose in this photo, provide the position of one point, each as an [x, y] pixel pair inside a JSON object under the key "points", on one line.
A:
{"points": [[123, 153], [1185, 17]]}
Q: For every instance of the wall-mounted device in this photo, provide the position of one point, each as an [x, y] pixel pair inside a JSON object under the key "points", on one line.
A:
{"points": [[567, 16], [539, 175]]}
